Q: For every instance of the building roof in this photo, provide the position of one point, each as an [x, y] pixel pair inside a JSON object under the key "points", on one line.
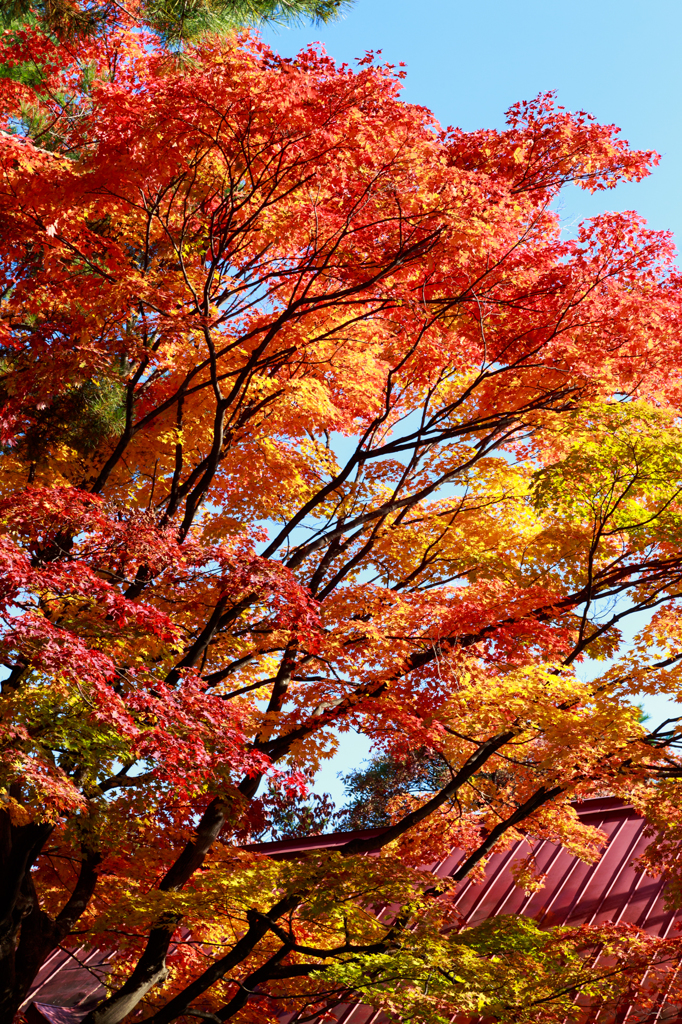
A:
{"points": [[574, 893]]}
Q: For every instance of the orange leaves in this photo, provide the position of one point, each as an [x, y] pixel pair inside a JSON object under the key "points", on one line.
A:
{"points": [[333, 431]]}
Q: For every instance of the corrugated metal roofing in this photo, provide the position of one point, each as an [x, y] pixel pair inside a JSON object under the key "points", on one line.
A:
{"points": [[68, 985], [574, 893]]}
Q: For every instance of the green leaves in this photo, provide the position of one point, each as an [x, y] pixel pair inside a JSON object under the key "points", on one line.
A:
{"points": [[617, 467], [176, 22], [506, 969], [182, 21]]}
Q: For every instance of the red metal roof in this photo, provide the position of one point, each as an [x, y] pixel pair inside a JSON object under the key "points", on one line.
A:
{"points": [[574, 893], [67, 986]]}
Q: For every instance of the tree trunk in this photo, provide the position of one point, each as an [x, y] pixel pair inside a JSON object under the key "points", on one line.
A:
{"points": [[27, 934]]}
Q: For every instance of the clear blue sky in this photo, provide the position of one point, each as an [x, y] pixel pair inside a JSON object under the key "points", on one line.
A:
{"points": [[468, 62]]}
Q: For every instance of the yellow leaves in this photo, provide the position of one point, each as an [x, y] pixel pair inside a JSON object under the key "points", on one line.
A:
{"points": [[526, 875], [570, 727], [620, 466], [18, 814], [527, 695], [172, 437], [651, 664], [244, 306], [559, 823], [486, 527]]}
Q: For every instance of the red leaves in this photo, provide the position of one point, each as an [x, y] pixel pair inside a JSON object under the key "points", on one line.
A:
{"points": [[66, 619], [193, 736], [545, 147], [289, 603], [264, 302]]}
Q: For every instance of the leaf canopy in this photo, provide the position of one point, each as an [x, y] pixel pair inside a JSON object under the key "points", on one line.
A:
{"points": [[314, 420]]}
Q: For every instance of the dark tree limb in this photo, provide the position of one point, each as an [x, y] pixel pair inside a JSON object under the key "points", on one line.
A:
{"points": [[259, 926]]}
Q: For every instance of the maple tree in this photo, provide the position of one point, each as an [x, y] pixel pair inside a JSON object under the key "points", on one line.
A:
{"points": [[313, 420]]}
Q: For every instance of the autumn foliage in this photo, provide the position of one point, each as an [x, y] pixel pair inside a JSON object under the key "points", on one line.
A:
{"points": [[313, 419]]}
